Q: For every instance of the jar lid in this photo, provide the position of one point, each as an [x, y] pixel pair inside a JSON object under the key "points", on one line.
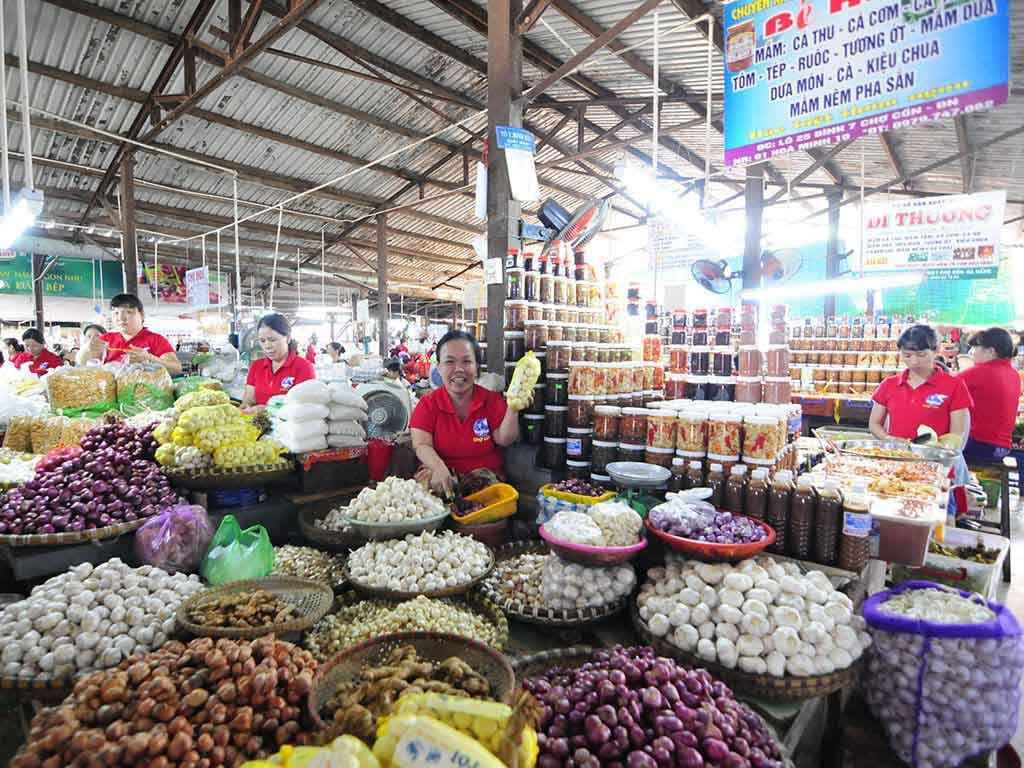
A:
{"points": [[677, 347], [776, 347], [654, 411], [516, 334], [532, 272], [693, 414], [720, 457], [748, 347], [722, 350], [721, 380], [704, 349], [580, 431], [539, 385], [558, 343], [515, 269], [675, 376], [600, 478], [515, 302], [761, 462], [696, 379], [582, 397], [536, 322], [748, 379], [605, 444], [678, 461], [577, 464], [534, 416], [558, 376], [632, 447], [541, 354], [556, 408], [726, 416], [555, 440], [762, 420], [652, 449], [690, 454], [776, 379], [608, 410], [634, 411]]}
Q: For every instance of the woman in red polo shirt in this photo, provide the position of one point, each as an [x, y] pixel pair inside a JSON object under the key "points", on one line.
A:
{"points": [[280, 370], [924, 395], [40, 360], [131, 340], [994, 385], [461, 426]]}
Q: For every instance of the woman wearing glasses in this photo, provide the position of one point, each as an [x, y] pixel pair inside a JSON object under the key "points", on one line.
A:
{"points": [[923, 395]]}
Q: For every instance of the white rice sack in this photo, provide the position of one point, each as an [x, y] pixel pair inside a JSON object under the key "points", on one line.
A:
{"points": [[300, 412], [299, 430], [345, 441], [303, 445], [346, 413], [311, 391], [341, 393], [351, 428]]}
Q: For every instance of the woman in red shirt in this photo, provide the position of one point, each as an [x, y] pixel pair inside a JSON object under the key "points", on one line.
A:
{"points": [[280, 370], [924, 395], [995, 386], [461, 426], [41, 360]]}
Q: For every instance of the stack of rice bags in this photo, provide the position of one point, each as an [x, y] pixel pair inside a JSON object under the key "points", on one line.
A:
{"points": [[300, 425], [346, 418]]}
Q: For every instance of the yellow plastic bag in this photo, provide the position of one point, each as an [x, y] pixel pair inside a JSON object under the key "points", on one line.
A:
{"points": [[343, 752], [246, 454], [201, 397], [182, 437], [524, 377], [418, 735], [165, 455], [205, 416], [230, 434]]}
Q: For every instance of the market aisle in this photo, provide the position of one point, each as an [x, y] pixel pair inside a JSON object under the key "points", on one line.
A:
{"points": [[1013, 594]]}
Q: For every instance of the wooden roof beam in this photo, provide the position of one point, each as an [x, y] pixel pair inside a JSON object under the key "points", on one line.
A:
{"points": [[895, 161]]}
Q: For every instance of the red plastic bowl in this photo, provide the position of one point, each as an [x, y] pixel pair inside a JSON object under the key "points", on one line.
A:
{"points": [[589, 555], [706, 550]]}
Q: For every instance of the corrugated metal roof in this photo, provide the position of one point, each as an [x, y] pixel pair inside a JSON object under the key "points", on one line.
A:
{"points": [[118, 56]]}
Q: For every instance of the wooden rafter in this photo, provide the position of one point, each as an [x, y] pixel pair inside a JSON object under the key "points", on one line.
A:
{"points": [[531, 15]]}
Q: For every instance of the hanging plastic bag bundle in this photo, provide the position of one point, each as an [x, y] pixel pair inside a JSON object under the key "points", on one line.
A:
{"points": [[85, 391], [143, 388], [932, 645], [237, 554], [176, 539]]}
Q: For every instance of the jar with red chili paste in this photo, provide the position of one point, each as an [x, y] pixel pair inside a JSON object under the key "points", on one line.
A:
{"points": [[606, 422], [633, 426], [724, 432], [661, 428]]}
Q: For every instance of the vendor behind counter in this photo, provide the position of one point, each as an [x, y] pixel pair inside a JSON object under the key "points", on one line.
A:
{"points": [[461, 426], [130, 340], [281, 369]]}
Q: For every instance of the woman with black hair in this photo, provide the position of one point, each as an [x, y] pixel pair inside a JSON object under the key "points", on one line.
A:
{"points": [[40, 360], [995, 387], [12, 348], [922, 396], [335, 350], [281, 369], [461, 426]]}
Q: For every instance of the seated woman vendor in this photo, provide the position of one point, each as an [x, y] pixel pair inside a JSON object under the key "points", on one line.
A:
{"points": [[924, 395], [461, 426], [280, 370], [131, 340]]}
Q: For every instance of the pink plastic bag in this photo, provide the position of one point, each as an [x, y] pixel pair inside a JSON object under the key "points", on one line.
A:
{"points": [[176, 539]]}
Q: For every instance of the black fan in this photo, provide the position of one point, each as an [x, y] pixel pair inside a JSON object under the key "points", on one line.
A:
{"points": [[776, 266]]}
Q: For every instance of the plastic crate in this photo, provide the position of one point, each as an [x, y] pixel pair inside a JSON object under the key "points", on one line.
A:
{"points": [[982, 578]]}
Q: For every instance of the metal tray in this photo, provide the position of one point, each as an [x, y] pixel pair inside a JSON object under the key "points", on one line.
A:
{"points": [[942, 456]]}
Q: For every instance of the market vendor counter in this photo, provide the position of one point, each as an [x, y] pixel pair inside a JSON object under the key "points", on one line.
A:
{"points": [[828, 410]]}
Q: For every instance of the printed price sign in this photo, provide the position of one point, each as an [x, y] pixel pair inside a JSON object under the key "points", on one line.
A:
{"points": [[197, 286], [519, 146], [805, 73]]}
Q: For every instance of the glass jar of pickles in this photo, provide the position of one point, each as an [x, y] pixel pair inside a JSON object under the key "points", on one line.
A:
{"points": [[546, 291], [692, 432], [761, 438], [675, 386], [606, 422], [633, 426], [581, 378], [560, 290], [677, 358], [724, 431], [661, 428]]}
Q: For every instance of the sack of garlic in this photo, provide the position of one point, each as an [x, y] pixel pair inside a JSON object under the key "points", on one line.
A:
{"points": [[91, 618], [933, 646], [760, 616]]}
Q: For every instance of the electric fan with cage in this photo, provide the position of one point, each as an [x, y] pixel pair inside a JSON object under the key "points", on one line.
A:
{"points": [[388, 406], [576, 229], [776, 266]]}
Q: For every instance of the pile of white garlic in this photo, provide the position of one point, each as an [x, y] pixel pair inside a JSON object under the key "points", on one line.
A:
{"points": [[91, 618], [607, 524], [394, 500], [568, 586], [426, 562], [758, 615]]}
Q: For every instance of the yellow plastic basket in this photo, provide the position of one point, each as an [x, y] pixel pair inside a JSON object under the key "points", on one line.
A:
{"points": [[499, 500], [550, 490]]}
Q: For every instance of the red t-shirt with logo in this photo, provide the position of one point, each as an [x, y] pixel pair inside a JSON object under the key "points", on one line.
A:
{"points": [[267, 382], [929, 404], [463, 445], [311, 353], [45, 363], [118, 345], [995, 389]]}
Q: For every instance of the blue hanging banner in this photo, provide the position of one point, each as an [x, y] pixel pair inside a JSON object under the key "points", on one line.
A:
{"points": [[805, 73]]}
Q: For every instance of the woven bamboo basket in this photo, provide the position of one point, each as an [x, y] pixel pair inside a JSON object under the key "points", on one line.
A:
{"points": [[435, 646], [546, 617], [392, 594], [311, 599], [333, 541], [70, 537], [236, 477], [788, 688]]}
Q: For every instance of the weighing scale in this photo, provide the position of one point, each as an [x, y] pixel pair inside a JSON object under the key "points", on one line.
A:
{"points": [[636, 480]]}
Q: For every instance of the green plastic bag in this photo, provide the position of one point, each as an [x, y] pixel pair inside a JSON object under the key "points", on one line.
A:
{"points": [[235, 554]]}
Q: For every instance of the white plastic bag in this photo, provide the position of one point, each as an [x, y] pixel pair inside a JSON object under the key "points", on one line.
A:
{"points": [[299, 430], [346, 428], [303, 445], [341, 393], [311, 391], [302, 412], [344, 441], [346, 413]]}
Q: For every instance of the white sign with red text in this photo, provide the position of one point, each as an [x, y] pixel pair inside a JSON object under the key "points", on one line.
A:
{"points": [[950, 237]]}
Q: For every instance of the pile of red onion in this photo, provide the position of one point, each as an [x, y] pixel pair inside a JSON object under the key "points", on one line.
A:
{"points": [[628, 708], [111, 479]]}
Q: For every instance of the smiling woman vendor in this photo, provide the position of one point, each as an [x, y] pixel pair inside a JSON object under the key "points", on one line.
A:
{"points": [[461, 426], [281, 369], [40, 359]]}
